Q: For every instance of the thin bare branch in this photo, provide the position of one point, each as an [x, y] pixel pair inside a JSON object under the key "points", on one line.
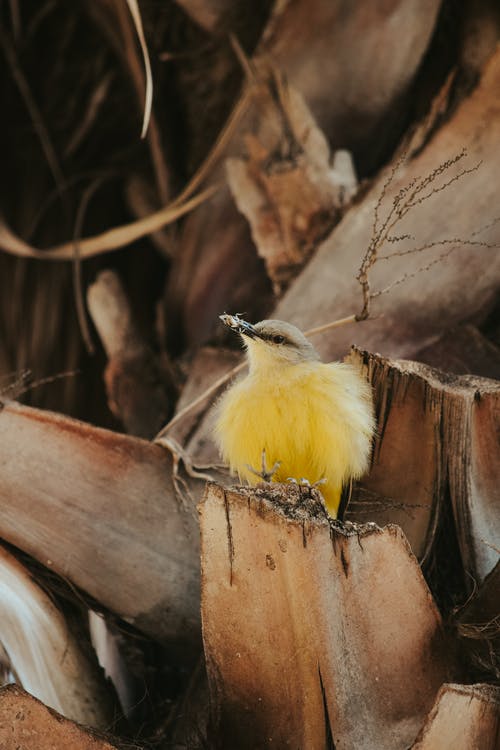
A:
{"points": [[334, 324], [457, 241], [96, 100], [24, 383], [487, 226], [409, 196], [220, 144], [118, 237], [491, 546], [445, 185], [200, 400], [407, 276]]}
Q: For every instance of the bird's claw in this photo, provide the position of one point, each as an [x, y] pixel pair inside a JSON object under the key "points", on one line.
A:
{"points": [[265, 474], [303, 482]]}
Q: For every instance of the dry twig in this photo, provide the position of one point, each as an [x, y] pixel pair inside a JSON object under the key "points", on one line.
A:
{"points": [[416, 192]]}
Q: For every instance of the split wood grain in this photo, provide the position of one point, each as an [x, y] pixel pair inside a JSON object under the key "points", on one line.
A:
{"points": [[312, 629], [99, 508]]}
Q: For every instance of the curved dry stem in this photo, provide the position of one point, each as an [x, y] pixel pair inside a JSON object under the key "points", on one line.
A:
{"points": [[148, 95], [77, 266], [334, 324], [112, 239]]}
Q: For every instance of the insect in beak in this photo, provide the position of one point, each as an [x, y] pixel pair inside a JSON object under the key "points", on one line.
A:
{"points": [[238, 325]]}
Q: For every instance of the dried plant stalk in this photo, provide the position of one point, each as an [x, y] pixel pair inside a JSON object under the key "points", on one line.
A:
{"points": [[112, 239], [403, 320]]}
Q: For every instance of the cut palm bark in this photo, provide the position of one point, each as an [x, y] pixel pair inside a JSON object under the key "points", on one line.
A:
{"points": [[436, 436], [314, 630], [26, 724], [478, 626], [139, 391], [100, 509], [463, 717], [349, 65], [291, 198], [45, 656]]}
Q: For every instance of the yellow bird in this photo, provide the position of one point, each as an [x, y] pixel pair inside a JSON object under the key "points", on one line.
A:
{"points": [[309, 419]]}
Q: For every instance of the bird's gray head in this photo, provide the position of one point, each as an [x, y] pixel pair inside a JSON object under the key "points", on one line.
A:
{"points": [[272, 342]]}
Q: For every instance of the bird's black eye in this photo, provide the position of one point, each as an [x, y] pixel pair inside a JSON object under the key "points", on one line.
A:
{"points": [[278, 339]]}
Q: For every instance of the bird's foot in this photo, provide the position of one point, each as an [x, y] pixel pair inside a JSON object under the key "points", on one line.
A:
{"points": [[303, 482], [265, 474]]}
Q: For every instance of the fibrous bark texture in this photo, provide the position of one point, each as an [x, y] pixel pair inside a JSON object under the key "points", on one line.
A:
{"points": [[26, 724], [100, 509], [464, 717], [347, 62], [436, 437], [312, 630], [45, 655]]}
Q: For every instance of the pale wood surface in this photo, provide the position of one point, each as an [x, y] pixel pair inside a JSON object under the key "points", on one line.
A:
{"points": [[47, 658], [310, 629], [437, 438], [26, 724], [464, 717], [99, 508]]}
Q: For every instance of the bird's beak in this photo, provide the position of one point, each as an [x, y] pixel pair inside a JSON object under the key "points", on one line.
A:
{"points": [[238, 325]]}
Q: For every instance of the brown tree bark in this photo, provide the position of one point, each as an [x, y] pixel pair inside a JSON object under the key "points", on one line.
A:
{"points": [[436, 437], [100, 509], [356, 94], [140, 391], [463, 717], [25, 723], [313, 630]]}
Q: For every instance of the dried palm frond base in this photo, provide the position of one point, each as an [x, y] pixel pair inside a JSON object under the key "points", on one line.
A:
{"points": [[100, 506], [44, 654], [313, 629], [323, 634], [463, 717], [26, 723]]}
